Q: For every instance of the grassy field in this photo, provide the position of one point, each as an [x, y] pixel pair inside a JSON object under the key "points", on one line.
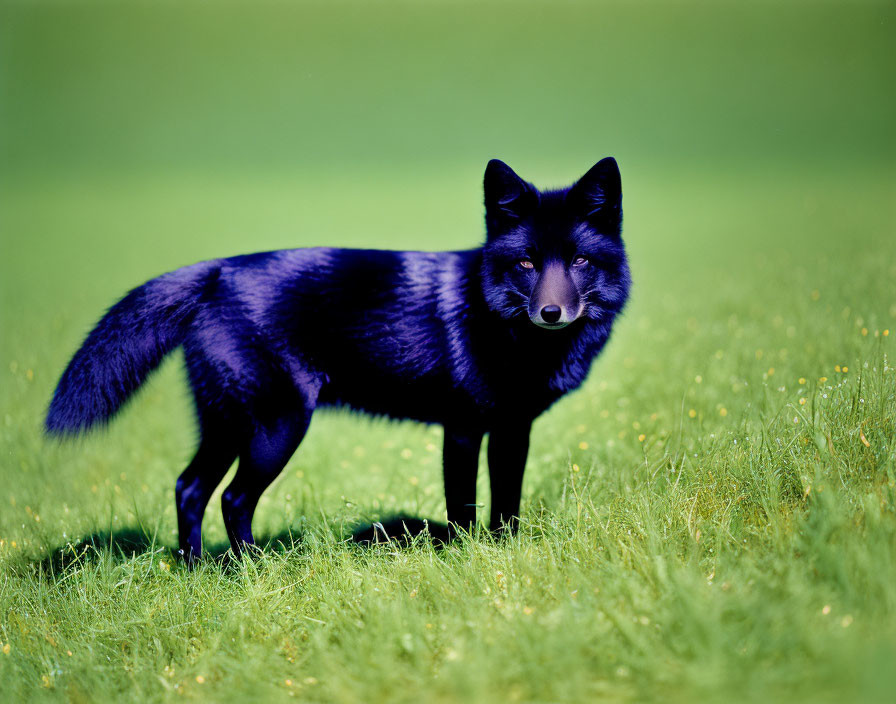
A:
{"points": [[712, 517]]}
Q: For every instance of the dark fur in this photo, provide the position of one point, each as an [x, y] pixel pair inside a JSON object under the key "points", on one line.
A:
{"points": [[474, 340]]}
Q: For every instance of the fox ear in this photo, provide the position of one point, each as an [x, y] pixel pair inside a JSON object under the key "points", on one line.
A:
{"points": [[597, 196], [507, 196]]}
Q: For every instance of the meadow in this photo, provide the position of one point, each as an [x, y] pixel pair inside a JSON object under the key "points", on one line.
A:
{"points": [[712, 517]]}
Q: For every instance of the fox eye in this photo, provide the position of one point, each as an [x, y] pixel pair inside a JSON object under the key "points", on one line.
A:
{"points": [[580, 261], [526, 264]]}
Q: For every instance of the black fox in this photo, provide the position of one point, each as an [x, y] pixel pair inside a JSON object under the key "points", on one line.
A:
{"points": [[480, 341]]}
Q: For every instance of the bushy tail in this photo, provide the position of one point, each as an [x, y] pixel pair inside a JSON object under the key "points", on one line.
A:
{"points": [[126, 346]]}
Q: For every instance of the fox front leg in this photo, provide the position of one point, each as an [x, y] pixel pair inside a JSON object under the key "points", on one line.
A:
{"points": [[460, 462], [508, 447]]}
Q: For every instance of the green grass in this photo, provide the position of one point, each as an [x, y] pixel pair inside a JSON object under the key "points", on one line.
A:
{"points": [[712, 517]]}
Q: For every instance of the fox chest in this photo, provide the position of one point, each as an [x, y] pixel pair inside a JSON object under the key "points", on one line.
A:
{"points": [[529, 386]]}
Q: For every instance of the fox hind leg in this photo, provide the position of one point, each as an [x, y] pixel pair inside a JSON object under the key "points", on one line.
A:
{"points": [[219, 430], [195, 486], [263, 457], [263, 401]]}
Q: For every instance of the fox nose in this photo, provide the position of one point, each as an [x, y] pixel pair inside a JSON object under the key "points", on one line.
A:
{"points": [[550, 314]]}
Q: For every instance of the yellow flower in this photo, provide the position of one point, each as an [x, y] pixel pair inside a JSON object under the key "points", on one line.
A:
{"points": [[723, 412], [692, 413], [802, 380], [823, 379], [802, 401], [836, 367], [845, 369], [6, 648], [583, 445], [200, 679], [642, 437]]}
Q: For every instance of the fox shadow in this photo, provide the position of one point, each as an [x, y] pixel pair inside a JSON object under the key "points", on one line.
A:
{"points": [[399, 532]]}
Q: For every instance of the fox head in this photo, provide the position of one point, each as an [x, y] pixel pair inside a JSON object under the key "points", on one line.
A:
{"points": [[554, 257]]}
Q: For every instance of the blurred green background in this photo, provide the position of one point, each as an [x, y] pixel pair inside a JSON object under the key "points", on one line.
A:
{"points": [[351, 88], [757, 148]]}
